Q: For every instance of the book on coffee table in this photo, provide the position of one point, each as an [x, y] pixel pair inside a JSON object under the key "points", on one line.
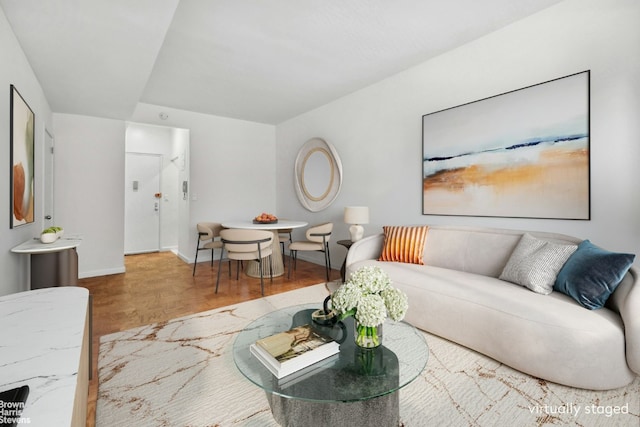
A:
{"points": [[308, 373], [287, 352]]}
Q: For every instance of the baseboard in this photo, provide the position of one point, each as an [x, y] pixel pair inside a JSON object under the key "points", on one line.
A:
{"points": [[202, 257], [96, 273], [183, 257]]}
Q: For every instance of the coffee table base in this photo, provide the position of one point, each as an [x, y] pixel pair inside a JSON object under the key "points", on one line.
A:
{"points": [[379, 411], [252, 268]]}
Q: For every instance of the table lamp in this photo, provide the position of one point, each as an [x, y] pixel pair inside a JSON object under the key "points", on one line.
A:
{"points": [[356, 216]]}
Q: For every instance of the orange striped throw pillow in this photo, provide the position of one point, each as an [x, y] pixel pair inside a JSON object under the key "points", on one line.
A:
{"points": [[404, 244]]}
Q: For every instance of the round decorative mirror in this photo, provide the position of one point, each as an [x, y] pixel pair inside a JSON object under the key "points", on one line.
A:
{"points": [[318, 174]]}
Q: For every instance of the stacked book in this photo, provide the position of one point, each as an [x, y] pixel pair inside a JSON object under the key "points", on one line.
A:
{"points": [[287, 352]]}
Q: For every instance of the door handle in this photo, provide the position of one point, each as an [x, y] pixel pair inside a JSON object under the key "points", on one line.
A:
{"points": [[47, 217]]}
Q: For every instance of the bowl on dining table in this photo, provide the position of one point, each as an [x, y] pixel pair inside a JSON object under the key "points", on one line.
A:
{"points": [[265, 218]]}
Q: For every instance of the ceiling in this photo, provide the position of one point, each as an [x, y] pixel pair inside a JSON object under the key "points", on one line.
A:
{"points": [[257, 60]]}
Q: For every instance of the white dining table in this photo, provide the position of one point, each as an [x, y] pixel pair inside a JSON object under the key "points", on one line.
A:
{"points": [[253, 268]]}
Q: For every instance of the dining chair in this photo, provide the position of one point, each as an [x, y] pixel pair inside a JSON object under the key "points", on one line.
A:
{"points": [[317, 240], [284, 234], [208, 234], [247, 245]]}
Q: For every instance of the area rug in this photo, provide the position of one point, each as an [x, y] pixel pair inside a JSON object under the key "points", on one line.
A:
{"points": [[181, 373]]}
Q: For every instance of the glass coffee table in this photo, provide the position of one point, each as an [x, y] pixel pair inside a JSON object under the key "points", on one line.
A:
{"points": [[353, 387]]}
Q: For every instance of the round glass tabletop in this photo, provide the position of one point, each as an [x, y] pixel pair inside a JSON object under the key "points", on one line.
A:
{"points": [[351, 375]]}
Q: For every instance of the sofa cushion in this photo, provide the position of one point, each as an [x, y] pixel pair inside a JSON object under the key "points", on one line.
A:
{"points": [[535, 263], [471, 250], [404, 244], [591, 274]]}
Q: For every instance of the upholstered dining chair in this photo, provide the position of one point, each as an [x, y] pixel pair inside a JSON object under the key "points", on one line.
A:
{"points": [[208, 234], [317, 240], [242, 245]]}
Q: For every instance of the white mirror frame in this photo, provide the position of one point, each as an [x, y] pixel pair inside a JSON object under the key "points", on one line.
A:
{"points": [[318, 172]]}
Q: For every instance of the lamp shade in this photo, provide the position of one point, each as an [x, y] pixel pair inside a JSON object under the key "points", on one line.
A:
{"points": [[356, 215]]}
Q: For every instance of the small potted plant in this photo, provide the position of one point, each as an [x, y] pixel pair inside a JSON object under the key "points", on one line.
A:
{"points": [[49, 235], [59, 231]]}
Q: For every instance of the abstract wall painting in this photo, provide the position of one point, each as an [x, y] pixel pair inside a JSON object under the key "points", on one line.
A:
{"points": [[521, 154], [22, 158]]}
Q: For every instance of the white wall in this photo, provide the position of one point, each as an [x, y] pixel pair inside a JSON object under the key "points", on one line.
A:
{"points": [[182, 146], [232, 166], [16, 70], [377, 131], [89, 189], [232, 176]]}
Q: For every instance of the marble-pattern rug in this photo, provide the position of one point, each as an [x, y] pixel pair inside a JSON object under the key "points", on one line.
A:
{"points": [[181, 373]]}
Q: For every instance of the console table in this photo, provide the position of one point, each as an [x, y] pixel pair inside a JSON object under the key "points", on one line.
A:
{"points": [[355, 387], [52, 264], [46, 345]]}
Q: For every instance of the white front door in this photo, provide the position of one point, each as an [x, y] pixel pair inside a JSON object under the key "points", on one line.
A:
{"points": [[142, 203]]}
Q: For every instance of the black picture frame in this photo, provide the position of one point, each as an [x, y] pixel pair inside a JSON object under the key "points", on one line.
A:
{"points": [[519, 154], [22, 168]]}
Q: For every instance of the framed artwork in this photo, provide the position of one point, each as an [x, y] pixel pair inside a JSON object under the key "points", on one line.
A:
{"points": [[521, 154], [22, 157]]}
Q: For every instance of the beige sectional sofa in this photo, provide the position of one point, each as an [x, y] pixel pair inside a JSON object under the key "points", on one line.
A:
{"points": [[457, 294]]}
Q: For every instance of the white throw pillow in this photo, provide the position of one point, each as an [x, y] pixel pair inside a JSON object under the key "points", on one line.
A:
{"points": [[535, 263]]}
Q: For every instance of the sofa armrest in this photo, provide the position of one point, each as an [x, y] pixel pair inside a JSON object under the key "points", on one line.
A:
{"points": [[367, 248], [626, 300]]}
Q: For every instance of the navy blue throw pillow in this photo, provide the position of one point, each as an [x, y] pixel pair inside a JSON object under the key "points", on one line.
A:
{"points": [[591, 274]]}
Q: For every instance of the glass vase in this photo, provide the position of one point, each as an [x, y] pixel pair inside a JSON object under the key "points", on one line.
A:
{"points": [[370, 361], [368, 336]]}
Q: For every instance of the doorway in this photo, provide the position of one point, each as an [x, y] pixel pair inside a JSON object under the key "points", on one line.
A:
{"points": [[156, 217]]}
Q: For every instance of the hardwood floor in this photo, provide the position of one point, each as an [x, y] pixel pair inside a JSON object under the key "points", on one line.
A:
{"points": [[159, 287]]}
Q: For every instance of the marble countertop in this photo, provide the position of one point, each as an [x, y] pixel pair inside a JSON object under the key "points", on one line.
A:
{"points": [[35, 246], [41, 346]]}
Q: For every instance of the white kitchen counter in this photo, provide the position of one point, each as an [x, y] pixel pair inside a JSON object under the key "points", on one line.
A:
{"points": [[45, 345]]}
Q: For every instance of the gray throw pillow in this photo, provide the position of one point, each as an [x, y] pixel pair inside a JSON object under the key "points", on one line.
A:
{"points": [[535, 263]]}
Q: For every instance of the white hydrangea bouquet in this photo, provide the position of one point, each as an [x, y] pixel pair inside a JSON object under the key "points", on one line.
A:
{"points": [[369, 297]]}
